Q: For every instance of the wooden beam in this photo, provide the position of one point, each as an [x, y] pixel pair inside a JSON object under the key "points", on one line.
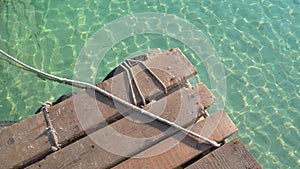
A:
{"points": [[27, 141], [232, 155], [185, 150], [106, 147]]}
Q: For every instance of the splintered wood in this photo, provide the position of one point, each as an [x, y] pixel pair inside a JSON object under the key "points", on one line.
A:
{"points": [[95, 131]]}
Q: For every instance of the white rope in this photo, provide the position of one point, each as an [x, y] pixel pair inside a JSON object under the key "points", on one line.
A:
{"points": [[52, 135], [152, 73], [90, 86], [135, 83], [130, 84]]}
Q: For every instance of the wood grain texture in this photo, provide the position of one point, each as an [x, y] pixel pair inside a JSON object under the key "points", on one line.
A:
{"points": [[185, 150], [86, 111], [232, 155], [110, 145]]}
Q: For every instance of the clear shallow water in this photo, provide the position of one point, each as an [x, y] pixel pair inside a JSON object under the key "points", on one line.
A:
{"points": [[257, 42]]}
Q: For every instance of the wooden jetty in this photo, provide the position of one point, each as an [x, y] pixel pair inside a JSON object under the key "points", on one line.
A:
{"points": [[77, 132]]}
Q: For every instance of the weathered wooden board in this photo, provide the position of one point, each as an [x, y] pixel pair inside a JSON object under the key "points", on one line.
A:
{"points": [[172, 68], [6, 123], [106, 147], [216, 127], [232, 155], [151, 54], [28, 140]]}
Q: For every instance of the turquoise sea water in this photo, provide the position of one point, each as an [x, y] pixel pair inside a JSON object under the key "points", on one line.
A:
{"points": [[257, 42]]}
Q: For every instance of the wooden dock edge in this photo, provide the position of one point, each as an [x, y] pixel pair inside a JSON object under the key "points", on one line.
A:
{"points": [[179, 103], [29, 138], [185, 150], [232, 155], [28, 144]]}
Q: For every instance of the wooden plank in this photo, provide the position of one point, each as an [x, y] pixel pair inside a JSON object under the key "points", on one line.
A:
{"points": [[95, 112], [232, 155], [6, 123], [181, 106], [15, 141], [185, 150], [151, 54], [26, 141], [172, 68]]}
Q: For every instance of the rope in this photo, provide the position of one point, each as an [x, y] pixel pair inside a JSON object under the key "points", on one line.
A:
{"points": [[129, 105], [135, 83], [153, 74], [52, 135], [130, 85]]}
